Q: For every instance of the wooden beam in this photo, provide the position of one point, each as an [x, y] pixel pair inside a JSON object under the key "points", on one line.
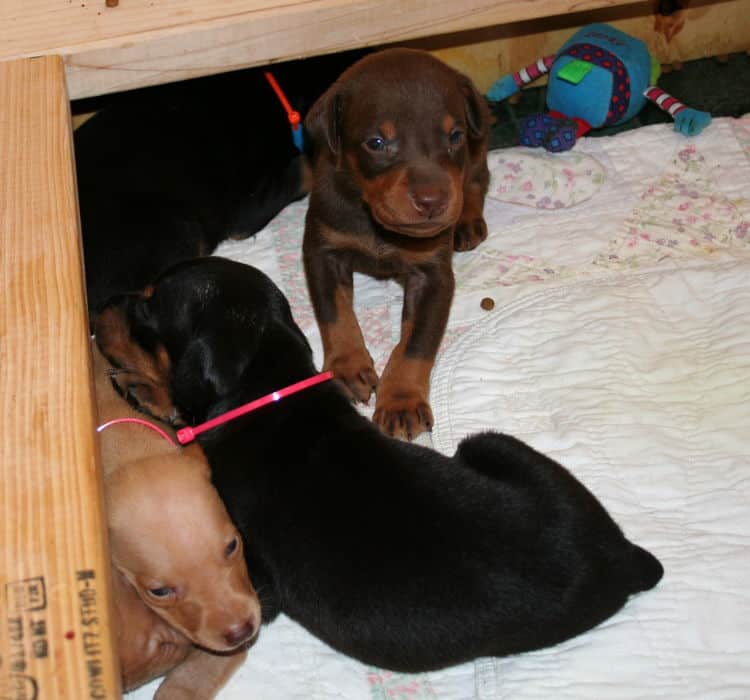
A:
{"points": [[143, 42], [55, 632]]}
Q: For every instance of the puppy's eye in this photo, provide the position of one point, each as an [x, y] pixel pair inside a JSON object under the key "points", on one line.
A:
{"points": [[375, 144], [161, 593], [456, 137], [232, 547]]}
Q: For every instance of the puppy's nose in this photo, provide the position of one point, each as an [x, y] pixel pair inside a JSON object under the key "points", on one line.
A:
{"points": [[241, 632], [429, 200]]}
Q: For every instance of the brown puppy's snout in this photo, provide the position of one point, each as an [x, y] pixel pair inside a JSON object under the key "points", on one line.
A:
{"points": [[430, 200], [241, 632]]}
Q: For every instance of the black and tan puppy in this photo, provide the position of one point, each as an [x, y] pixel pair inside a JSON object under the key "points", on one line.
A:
{"points": [[388, 551], [400, 175]]}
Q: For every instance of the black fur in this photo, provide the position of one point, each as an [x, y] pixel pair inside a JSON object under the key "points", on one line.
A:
{"points": [[390, 552], [167, 173]]}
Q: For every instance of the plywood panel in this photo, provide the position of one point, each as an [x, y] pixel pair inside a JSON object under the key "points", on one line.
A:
{"points": [[55, 632], [704, 28], [144, 42]]}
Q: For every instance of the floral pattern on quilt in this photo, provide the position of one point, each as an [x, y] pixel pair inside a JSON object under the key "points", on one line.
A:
{"points": [[288, 242], [385, 685], [742, 133], [543, 181], [503, 269], [682, 214]]}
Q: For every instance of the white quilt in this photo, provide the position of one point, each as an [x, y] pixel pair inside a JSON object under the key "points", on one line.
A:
{"points": [[619, 343]]}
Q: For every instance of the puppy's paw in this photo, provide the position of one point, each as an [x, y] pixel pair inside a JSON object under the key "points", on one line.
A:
{"points": [[469, 234], [171, 691], [356, 373], [404, 416]]}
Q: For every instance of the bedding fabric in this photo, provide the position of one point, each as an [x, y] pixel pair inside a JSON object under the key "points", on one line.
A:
{"points": [[619, 344]]}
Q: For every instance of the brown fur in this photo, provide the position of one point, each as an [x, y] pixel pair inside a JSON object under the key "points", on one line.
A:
{"points": [[169, 529], [399, 178], [149, 392]]}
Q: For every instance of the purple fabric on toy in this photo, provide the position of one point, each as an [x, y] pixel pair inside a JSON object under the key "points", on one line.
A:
{"points": [[552, 133]]}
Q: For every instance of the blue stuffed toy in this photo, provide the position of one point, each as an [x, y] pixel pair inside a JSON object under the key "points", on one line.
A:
{"points": [[600, 77]]}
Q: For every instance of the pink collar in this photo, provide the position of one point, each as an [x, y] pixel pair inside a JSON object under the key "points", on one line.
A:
{"points": [[188, 434], [139, 421], [185, 435]]}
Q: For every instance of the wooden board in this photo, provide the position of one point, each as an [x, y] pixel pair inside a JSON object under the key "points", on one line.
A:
{"points": [[55, 632], [144, 42]]}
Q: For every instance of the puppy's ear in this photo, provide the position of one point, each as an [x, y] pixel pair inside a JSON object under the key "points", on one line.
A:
{"points": [[209, 369], [323, 121], [477, 111]]}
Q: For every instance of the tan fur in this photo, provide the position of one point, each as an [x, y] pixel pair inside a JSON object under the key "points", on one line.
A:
{"points": [[200, 676], [389, 197], [144, 376], [407, 382], [147, 646], [169, 530]]}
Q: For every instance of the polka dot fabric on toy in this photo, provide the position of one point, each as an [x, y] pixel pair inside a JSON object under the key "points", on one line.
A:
{"points": [[620, 98]]}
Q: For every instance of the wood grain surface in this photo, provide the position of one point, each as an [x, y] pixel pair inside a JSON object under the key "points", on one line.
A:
{"points": [[144, 42], [55, 632]]}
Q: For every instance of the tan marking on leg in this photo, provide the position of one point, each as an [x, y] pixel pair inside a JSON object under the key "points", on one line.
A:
{"points": [[345, 351], [402, 409]]}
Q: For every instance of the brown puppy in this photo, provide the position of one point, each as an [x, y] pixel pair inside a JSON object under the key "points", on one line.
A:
{"points": [[147, 646], [399, 180], [178, 570]]}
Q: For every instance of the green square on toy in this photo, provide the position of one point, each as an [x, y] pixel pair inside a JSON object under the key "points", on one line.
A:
{"points": [[575, 71]]}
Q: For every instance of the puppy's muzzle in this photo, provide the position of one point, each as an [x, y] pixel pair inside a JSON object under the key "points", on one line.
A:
{"points": [[430, 201], [241, 632]]}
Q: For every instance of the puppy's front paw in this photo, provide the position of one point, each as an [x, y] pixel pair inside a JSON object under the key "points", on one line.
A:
{"points": [[469, 233], [356, 373], [169, 691], [404, 416]]}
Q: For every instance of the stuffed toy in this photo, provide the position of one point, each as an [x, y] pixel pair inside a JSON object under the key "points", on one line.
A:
{"points": [[600, 77]]}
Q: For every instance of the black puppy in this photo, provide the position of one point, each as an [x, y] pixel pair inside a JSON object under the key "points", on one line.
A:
{"points": [[388, 551], [167, 173]]}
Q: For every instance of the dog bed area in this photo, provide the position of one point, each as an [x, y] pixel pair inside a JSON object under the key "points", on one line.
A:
{"points": [[605, 322]]}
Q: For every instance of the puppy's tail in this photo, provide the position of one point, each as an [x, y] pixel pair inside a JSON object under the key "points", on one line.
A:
{"points": [[641, 569]]}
